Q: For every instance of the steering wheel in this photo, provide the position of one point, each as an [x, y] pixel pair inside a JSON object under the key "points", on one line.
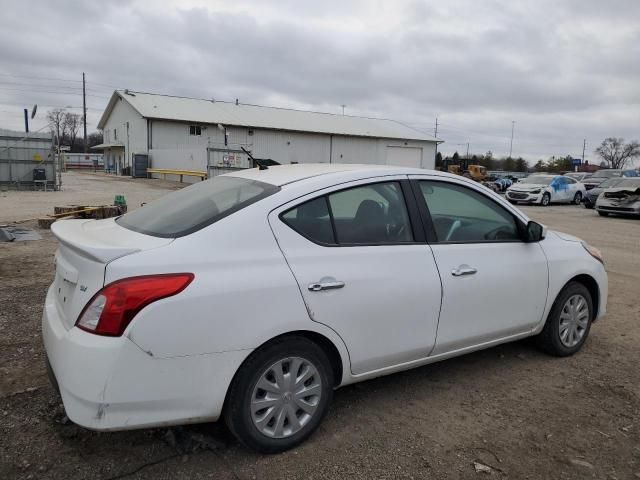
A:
{"points": [[454, 226], [500, 233]]}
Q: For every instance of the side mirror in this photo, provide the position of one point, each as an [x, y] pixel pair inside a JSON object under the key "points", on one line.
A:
{"points": [[535, 232]]}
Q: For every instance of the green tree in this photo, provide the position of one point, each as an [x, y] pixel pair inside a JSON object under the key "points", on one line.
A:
{"points": [[487, 161], [456, 158], [540, 166], [509, 164], [521, 165], [438, 160]]}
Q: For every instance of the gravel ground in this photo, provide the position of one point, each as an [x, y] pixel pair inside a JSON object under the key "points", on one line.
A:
{"points": [[517, 411]]}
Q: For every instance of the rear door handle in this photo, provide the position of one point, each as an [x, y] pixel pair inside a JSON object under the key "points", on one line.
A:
{"points": [[463, 270], [328, 285]]}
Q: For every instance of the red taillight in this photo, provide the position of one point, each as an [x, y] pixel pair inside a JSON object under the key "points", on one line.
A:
{"points": [[112, 308]]}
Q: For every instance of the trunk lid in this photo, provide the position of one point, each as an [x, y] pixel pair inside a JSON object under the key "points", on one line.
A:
{"points": [[86, 247]]}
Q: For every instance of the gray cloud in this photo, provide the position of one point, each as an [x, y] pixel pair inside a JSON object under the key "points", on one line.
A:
{"points": [[564, 71]]}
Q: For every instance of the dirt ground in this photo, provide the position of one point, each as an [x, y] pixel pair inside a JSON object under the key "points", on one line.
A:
{"points": [[519, 412]]}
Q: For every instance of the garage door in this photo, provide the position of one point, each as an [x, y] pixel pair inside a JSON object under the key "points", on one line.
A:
{"points": [[404, 156]]}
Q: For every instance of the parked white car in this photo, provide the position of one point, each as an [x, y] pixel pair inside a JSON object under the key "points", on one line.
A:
{"points": [[546, 189], [253, 295]]}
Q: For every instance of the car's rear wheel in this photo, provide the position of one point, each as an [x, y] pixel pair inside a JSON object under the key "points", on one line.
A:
{"points": [[603, 214], [280, 395], [569, 321], [546, 200], [577, 198]]}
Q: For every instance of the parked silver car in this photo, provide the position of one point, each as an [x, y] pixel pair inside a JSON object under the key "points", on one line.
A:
{"points": [[623, 199]]}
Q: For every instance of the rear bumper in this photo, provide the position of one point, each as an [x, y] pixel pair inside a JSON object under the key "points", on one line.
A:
{"points": [[111, 384]]}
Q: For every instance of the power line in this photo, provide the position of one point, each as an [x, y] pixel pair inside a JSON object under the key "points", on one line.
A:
{"points": [[51, 92], [40, 78]]}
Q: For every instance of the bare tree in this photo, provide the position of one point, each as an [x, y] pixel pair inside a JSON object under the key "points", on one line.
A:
{"points": [[56, 118], [72, 122], [616, 153]]}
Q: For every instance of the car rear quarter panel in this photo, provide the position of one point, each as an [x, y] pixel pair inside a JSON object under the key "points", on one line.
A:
{"points": [[243, 293]]}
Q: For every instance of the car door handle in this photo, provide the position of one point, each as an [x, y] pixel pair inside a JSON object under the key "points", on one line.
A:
{"points": [[463, 270], [318, 286]]}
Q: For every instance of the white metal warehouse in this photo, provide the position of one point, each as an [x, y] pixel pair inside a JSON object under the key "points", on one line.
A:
{"points": [[208, 135]]}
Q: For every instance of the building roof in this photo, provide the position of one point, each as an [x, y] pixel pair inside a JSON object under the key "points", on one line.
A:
{"points": [[103, 146], [195, 110], [284, 174]]}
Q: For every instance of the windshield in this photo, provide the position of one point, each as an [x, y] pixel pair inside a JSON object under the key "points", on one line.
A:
{"points": [[538, 179], [190, 209], [610, 182], [606, 174], [629, 182]]}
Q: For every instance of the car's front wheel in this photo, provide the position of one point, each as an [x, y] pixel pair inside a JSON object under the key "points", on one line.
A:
{"points": [[569, 321], [603, 214], [280, 395], [546, 199]]}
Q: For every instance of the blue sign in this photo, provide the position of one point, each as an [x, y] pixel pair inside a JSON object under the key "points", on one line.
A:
{"points": [[576, 162]]}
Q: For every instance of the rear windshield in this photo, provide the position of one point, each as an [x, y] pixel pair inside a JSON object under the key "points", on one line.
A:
{"points": [[193, 208]]}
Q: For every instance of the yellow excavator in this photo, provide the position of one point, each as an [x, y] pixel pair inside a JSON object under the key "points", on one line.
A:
{"points": [[475, 172]]}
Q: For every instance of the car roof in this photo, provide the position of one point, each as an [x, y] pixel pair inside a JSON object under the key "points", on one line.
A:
{"points": [[280, 175]]}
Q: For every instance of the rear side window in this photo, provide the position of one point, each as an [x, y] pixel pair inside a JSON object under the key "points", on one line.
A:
{"points": [[373, 214], [193, 208]]}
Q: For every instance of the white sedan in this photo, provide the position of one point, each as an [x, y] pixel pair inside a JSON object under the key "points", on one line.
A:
{"points": [[546, 189], [253, 295]]}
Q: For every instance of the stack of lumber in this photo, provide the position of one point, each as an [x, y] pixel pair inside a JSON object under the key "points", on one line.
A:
{"points": [[81, 211]]}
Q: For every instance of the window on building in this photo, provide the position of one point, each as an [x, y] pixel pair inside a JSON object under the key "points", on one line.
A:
{"points": [[195, 130], [115, 134]]}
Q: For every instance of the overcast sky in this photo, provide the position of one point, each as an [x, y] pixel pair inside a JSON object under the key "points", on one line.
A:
{"points": [[563, 70]]}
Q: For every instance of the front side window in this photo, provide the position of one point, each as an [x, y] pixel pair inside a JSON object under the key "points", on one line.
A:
{"points": [[372, 214], [461, 215], [193, 208]]}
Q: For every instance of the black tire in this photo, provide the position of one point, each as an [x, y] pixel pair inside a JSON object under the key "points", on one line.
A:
{"points": [[549, 339], [237, 411], [588, 205], [513, 202], [577, 198], [603, 214], [546, 200]]}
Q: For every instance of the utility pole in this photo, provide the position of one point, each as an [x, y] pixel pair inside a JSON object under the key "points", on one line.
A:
{"points": [[513, 124], [467, 150], [343, 108], [84, 113], [435, 135], [584, 146]]}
